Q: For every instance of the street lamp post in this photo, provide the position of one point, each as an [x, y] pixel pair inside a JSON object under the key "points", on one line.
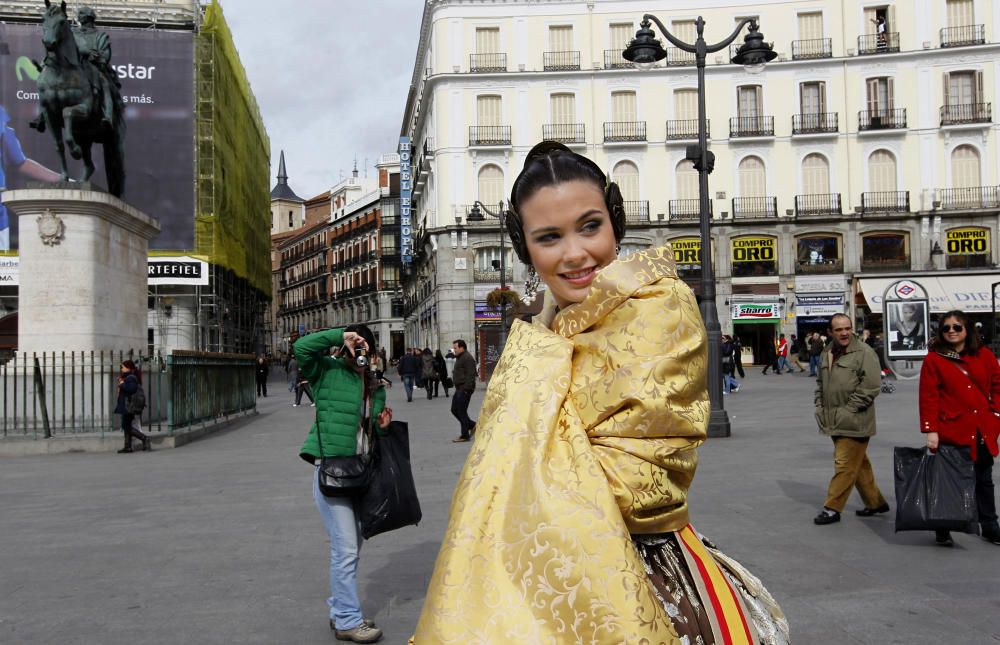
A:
{"points": [[644, 51], [476, 215]]}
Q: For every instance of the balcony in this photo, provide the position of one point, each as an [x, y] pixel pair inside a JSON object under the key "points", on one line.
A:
{"points": [[819, 205], [817, 123], [492, 275], [613, 59], [686, 129], [812, 48], [887, 43], [755, 208], [963, 36], [826, 266], [884, 119], [677, 57], [885, 202], [564, 132], [637, 212], [972, 198], [560, 61], [686, 210], [751, 126], [487, 63], [489, 135], [965, 113], [618, 131]]}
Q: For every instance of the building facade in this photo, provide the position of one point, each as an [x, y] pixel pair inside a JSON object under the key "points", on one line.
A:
{"points": [[862, 152]]}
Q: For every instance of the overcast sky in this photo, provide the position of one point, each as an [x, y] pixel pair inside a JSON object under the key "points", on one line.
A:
{"points": [[331, 78]]}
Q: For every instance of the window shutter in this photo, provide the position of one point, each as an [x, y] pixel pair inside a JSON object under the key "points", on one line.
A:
{"points": [[623, 107], [946, 90], [752, 180], [890, 102], [882, 172], [626, 175], [490, 185], [687, 180], [890, 19], [621, 35], [965, 167], [810, 25], [822, 97], [563, 108], [685, 105], [487, 40], [977, 92], [815, 175], [869, 20], [488, 110], [561, 38], [960, 13]]}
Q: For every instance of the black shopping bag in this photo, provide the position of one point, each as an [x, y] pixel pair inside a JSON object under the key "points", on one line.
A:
{"points": [[390, 502], [935, 490]]}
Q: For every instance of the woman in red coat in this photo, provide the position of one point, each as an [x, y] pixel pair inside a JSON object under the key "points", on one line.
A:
{"points": [[960, 406]]}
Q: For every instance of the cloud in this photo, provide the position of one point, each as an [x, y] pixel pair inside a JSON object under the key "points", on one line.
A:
{"points": [[331, 80]]}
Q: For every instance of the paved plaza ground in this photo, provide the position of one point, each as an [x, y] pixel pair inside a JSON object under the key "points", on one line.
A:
{"points": [[219, 541]]}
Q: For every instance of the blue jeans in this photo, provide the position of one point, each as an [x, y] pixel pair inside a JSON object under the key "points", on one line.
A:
{"points": [[344, 529], [408, 380], [729, 382], [783, 364], [813, 365]]}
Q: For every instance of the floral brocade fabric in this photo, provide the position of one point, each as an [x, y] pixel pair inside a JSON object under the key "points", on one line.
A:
{"points": [[587, 435]]}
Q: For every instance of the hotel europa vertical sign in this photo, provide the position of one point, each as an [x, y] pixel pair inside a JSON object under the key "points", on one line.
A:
{"points": [[405, 195]]}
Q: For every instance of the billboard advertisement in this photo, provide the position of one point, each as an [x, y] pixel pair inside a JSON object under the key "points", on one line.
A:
{"points": [[156, 70]]}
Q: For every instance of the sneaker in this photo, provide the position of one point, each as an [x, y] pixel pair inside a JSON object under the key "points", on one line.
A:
{"points": [[826, 516], [868, 512], [312, 405], [363, 633], [295, 405], [736, 388], [365, 621]]}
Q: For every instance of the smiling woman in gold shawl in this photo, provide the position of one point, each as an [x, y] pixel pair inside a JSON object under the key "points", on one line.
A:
{"points": [[570, 522]]}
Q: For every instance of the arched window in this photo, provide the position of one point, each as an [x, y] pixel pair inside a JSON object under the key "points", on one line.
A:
{"points": [[752, 179], [687, 180], [490, 185], [965, 167], [626, 175], [815, 175], [818, 253], [888, 251], [881, 172]]}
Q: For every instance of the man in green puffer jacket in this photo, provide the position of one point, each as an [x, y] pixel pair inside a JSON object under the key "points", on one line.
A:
{"points": [[350, 402]]}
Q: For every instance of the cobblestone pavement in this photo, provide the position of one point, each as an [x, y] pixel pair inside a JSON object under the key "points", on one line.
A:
{"points": [[219, 542]]}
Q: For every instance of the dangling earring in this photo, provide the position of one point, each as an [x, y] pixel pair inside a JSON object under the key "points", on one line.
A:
{"points": [[531, 285], [618, 249]]}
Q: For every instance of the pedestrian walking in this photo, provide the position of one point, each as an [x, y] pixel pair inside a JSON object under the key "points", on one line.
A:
{"points": [[795, 353], [816, 345], [261, 372], [729, 382], [351, 406], [577, 486], [738, 356], [129, 382], [408, 368], [769, 355], [849, 380], [464, 376], [428, 372], [442, 373], [960, 406], [783, 365]]}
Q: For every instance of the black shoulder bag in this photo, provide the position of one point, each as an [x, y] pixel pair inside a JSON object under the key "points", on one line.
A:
{"points": [[345, 476]]}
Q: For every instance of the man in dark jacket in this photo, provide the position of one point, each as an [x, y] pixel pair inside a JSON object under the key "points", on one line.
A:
{"points": [[409, 367], [464, 376], [815, 349], [849, 380]]}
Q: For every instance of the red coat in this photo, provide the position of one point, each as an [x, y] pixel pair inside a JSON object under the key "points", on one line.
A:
{"points": [[952, 406]]}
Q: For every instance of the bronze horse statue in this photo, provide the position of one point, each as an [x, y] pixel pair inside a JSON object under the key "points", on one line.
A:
{"points": [[70, 94]]}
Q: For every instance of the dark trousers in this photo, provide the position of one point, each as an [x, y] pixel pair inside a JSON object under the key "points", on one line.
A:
{"points": [[261, 387], [460, 410], [986, 503], [299, 389], [131, 432], [431, 385]]}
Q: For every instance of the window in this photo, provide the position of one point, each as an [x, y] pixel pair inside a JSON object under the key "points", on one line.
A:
{"points": [[686, 105], [752, 179], [486, 256], [687, 31], [626, 175], [881, 172], [687, 180], [812, 97], [874, 16], [960, 13], [810, 25], [880, 94], [561, 38], [963, 88], [815, 175], [750, 100], [563, 108], [965, 167], [623, 106], [487, 40], [491, 190], [818, 253], [291, 219], [621, 34], [754, 256], [885, 252], [488, 110]]}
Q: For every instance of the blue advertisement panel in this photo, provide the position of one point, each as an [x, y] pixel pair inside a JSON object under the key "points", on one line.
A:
{"points": [[484, 313], [405, 197]]}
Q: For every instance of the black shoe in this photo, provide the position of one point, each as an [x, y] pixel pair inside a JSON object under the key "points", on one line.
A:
{"points": [[124, 450], [826, 516], [943, 538], [868, 512], [993, 537], [460, 440]]}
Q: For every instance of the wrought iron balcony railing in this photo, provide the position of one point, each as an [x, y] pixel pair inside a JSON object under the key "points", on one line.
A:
{"points": [[886, 43], [812, 48], [624, 131], [686, 129], [489, 135], [491, 275], [487, 62], [613, 59], [883, 202], [686, 210], [817, 205], [966, 113], [637, 211], [755, 207], [883, 119], [963, 36], [974, 197], [815, 123], [565, 132], [560, 61], [677, 57], [751, 126]]}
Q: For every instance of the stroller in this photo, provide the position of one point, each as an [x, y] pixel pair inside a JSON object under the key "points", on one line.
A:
{"points": [[888, 387]]}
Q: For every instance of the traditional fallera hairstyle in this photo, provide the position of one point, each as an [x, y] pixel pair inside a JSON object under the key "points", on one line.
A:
{"points": [[972, 340], [550, 163]]}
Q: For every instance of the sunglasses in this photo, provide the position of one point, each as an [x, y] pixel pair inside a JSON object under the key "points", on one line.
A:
{"points": [[949, 328]]}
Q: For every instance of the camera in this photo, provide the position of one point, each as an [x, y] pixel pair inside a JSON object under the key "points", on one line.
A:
{"points": [[361, 357]]}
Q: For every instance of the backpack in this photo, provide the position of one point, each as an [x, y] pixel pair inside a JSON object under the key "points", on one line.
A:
{"points": [[136, 403]]}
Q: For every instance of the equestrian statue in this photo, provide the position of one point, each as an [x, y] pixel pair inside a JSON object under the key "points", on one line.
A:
{"points": [[80, 94]]}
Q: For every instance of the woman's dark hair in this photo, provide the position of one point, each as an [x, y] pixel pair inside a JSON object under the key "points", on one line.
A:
{"points": [[133, 369], [550, 163], [371, 383], [972, 340]]}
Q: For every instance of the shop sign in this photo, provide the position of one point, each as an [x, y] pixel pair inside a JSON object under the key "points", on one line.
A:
{"points": [[753, 313], [9, 270], [821, 284], [816, 305], [405, 201], [968, 241], [485, 314], [753, 249], [687, 250], [176, 270]]}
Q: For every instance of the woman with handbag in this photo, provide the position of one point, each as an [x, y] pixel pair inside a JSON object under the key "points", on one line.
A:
{"points": [[129, 382], [442, 373], [960, 406], [350, 402]]}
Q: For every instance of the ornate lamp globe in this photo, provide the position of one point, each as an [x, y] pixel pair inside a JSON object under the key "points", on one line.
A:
{"points": [[645, 50], [475, 215], [754, 53]]}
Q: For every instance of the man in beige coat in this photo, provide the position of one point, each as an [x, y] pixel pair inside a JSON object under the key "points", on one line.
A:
{"points": [[849, 380]]}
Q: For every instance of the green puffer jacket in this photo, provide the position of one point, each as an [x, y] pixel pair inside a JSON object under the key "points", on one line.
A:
{"points": [[338, 391], [846, 391]]}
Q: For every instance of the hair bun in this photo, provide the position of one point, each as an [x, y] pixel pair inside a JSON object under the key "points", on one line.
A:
{"points": [[543, 149]]}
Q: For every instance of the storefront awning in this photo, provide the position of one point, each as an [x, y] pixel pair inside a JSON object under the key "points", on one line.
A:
{"points": [[970, 293]]}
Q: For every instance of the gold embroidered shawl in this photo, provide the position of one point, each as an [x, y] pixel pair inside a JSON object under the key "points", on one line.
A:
{"points": [[587, 435]]}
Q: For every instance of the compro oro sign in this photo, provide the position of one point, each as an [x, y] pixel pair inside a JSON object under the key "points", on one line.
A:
{"points": [[687, 250], [968, 241], [750, 313], [753, 249]]}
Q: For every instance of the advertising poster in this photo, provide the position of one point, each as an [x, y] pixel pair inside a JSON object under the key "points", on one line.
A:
{"points": [[908, 323], [156, 70]]}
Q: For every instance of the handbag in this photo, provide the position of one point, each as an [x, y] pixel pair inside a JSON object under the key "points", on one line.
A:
{"points": [[935, 490], [390, 501], [345, 476]]}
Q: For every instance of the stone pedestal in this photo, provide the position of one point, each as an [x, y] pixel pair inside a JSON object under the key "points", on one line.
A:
{"points": [[83, 257]]}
